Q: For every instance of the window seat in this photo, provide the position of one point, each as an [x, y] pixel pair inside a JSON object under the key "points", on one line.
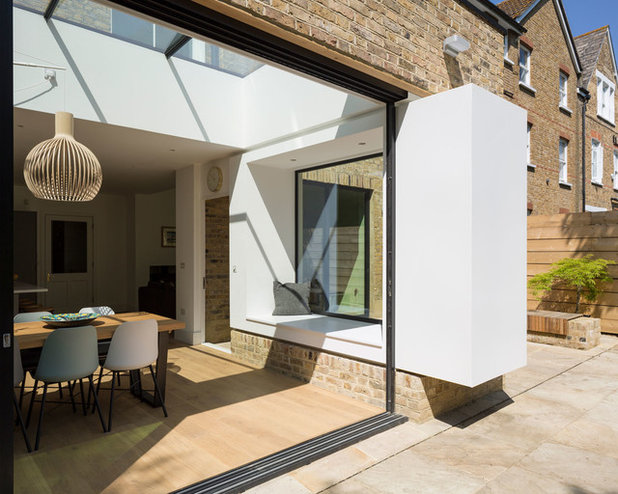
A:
{"points": [[344, 336]]}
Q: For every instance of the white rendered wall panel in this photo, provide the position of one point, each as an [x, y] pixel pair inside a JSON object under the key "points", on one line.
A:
{"points": [[460, 229]]}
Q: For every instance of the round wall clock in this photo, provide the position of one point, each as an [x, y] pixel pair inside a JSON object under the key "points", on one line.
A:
{"points": [[214, 179]]}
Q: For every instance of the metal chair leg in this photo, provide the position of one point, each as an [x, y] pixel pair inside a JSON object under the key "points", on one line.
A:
{"points": [[60, 390], [31, 403], [157, 390], [72, 397], [81, 390], [38, 429], [21, 391], [111, 402], [98, 385], [21, 424], [96, 403]]}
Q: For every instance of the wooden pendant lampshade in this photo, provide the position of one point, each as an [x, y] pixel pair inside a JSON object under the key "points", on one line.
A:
{"points": [[62, 169]]}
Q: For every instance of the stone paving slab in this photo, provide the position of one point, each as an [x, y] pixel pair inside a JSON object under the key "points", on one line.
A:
{"points": [[553, 430]]}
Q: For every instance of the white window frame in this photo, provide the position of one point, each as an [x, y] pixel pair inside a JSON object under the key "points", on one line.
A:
{"points": [[596, 162], [563, 159], [606, 95], [563, 84], [615, 169], [524, 68], [506, 49]]}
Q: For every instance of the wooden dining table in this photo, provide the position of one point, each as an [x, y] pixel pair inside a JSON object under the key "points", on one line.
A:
{"points": [[32, 336]]}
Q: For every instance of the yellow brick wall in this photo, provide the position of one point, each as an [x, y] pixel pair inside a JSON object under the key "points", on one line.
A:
{"points": [[549, 123]]}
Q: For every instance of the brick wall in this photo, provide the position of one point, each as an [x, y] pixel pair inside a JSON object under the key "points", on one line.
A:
{"points": [[549, 55], [600, 195], [400, 39], [217, 273], [418, 397]]}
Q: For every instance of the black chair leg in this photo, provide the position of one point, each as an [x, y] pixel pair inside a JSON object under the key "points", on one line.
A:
{"points": [[38, 429], [119, 383], [98, 385], [81, 390], [157, 390], [31, 403], [96, 402], [21, 391], [72, 397], [60, 390], [111, 402], [21, 424]]}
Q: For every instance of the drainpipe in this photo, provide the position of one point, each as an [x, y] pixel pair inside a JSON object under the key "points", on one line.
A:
{"points": [[584, 95]]}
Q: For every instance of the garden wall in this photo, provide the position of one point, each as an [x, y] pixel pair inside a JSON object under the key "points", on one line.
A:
{"points": [[553, 237]]}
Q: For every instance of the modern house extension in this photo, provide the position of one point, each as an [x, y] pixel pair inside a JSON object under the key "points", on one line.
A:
{"points": [[246, 149]]}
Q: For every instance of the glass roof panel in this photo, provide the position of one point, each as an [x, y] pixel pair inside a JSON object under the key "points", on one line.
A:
{"points": [[36, 5], [112, 22]]}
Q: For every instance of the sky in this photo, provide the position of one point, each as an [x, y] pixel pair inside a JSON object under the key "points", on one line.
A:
{"points": [[586, 15]]}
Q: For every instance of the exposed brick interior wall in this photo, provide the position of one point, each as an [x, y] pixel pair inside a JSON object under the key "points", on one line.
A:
{"points": [[217, 251], [366, 174], [418, 397], [549, 55]]}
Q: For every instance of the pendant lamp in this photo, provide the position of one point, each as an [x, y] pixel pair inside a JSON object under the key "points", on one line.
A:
{"points": [[62, 169]]}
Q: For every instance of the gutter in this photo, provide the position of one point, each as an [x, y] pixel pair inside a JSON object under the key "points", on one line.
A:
{"points": [[494, 16]]}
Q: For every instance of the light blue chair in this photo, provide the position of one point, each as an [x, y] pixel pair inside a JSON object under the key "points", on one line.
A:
{"points": [[30, 316], [68, 354], [104, 310], [18, 379]]}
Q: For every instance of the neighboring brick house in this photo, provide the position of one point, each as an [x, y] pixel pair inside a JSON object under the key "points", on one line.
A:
{"points": [[543, 71], [600, 78], [541, 74]]}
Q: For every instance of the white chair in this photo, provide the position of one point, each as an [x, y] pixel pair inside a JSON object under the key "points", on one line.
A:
{"points": [[134, 346], [18, 379], [30, 316], [104, 310], [69, 354]]}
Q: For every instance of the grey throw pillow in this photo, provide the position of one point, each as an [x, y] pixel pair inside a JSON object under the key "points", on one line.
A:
{"points": [[291, 299]]}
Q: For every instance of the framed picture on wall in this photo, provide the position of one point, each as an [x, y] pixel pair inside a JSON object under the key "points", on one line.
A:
{"points": [[168, 236]]}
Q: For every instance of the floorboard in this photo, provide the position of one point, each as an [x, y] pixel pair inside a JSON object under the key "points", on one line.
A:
{"points": [[222, 414]]}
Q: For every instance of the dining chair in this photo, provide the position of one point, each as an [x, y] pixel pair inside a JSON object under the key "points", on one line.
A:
{"points": [[104, 310], [134, 346], [30, 316], [69, 354], [18, 379]]}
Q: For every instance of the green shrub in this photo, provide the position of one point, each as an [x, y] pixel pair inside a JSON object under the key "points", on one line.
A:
{"points": [[584, 275]]}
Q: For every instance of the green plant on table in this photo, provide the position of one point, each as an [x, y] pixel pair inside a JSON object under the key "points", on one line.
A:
{"points": [[585, 275]]}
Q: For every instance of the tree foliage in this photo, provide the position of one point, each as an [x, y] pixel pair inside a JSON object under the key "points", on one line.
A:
{"points": [[584, 274]]}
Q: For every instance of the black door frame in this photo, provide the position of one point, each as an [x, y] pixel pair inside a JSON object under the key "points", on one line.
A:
{"points": [[196, 18]]}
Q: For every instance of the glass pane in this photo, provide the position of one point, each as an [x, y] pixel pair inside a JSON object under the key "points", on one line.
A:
{"points": [[36, 5], [132, 28], [69, 246], [163, 37], [340, 244], [85, 13]]}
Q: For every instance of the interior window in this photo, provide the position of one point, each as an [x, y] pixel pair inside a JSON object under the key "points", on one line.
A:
{"points": [[340, 236]]}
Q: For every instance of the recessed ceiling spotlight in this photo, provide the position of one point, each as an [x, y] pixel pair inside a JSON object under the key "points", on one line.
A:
{"points": [[292, 159], [172, 150], [20, 126], [362, 143]]}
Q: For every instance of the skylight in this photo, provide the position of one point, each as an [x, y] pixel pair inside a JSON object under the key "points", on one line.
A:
{"points": [[111, 22]]}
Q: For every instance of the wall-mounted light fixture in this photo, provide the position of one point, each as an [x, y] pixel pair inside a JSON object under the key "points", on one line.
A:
{"points": [[454, 45]]}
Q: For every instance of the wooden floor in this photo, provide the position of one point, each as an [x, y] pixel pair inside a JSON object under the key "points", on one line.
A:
{"points": [[221, 415]]}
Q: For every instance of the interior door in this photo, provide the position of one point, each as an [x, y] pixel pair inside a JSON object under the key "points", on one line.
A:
{"points": [[68, 262]]}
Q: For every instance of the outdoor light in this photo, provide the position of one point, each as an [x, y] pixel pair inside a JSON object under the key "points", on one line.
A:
{"points": [[454, 45], [62, 169]]}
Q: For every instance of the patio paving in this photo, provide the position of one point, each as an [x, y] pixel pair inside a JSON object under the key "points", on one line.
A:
{"points": [[554, 429]]}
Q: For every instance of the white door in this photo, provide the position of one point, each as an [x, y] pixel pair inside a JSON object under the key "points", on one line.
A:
{"points": [[68, 262]]}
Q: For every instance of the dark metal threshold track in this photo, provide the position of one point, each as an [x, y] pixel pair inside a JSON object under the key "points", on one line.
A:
{"points": [[257, 472]]}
